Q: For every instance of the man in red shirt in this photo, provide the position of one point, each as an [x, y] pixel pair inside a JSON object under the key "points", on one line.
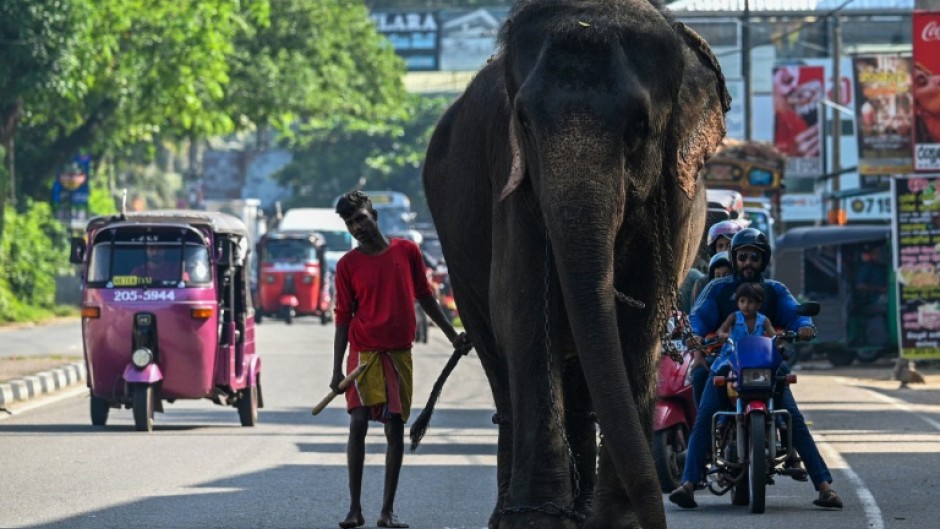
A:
{"points": [[376, 287]]}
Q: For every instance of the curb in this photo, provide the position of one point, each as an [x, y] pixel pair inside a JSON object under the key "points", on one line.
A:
{"points": [[42, 383]]}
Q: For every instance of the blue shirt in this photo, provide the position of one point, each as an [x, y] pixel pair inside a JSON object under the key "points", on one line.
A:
{"points": [[738, 330], [717, 302]]}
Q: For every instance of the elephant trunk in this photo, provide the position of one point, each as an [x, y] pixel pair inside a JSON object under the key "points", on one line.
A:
{"points": [[582, 225]]}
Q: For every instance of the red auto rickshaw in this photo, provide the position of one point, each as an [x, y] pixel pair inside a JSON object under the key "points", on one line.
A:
{"points": [[293, 276], [166, 313]]}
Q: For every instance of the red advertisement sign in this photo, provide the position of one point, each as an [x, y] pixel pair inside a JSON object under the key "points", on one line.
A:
{"points": [[926, 91], [885, 114], [797, 91]]}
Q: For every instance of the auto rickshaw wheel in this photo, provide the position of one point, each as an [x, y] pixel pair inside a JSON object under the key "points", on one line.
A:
{"points": [[248, 406], [142, 403], [99, 411]]}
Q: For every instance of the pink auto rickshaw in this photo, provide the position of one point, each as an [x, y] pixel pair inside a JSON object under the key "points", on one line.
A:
{"points": [[167, 314]]}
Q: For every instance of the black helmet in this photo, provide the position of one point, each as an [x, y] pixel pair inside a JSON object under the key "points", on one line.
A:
{"points": [[719, 259], [750, 237]]}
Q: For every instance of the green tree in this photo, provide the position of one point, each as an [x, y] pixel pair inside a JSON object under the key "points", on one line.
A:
{"points": [[334, 156], [142, 69], [37, 40], [313, 60]]}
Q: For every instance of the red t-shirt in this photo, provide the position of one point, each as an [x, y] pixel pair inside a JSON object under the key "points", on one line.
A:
{"points": [[385, 286]]}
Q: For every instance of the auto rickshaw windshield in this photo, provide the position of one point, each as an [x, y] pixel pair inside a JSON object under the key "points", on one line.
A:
{"points": [[289, 251], [157, 264]]}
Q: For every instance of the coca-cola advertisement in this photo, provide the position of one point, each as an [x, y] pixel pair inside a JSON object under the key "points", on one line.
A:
{"points": [[925, 89], [884, 108], [797, 91]]}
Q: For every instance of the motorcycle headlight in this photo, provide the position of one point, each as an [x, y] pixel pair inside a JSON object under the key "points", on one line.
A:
{"points": [[756, 377], [142, 357]]}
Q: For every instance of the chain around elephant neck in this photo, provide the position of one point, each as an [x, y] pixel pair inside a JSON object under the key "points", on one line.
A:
{"points": [[552, 508]]}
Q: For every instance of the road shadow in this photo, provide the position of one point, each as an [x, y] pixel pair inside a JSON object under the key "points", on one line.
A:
{"points": [[303, 497]]}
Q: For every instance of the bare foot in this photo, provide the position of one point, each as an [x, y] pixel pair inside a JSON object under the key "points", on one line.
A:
{"points": [[390, 520], [353, 519]]}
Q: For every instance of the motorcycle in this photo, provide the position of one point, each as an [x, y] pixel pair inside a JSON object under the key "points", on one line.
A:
{"points": [[675, 410], [752, 441]]}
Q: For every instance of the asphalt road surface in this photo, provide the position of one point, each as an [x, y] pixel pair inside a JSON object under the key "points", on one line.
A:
{"points": [[200, 469]]}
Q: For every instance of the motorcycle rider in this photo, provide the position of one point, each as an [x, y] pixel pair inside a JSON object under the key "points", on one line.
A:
{"points": [[720, 234], [718, 267], [750, 254]]}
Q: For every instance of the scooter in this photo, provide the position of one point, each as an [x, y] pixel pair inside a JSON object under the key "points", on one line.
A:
{"points": [[675, 410], [752, 441]]}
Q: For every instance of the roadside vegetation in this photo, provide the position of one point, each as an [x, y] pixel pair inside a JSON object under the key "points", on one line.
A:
{"points": [[142, 88]]}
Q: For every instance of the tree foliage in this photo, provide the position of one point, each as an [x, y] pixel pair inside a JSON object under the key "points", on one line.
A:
{"points": [[141, 71], [336, 155], [31, 253], [313, 60]]}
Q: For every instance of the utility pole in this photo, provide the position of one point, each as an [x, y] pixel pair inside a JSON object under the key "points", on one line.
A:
{"points": [[836, 123], [746, 66]]}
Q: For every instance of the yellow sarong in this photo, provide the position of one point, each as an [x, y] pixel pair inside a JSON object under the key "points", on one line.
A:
{"points": [[386, 384]]}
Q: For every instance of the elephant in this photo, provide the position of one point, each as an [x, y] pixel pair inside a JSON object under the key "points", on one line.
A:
{"points": [[564, 184]]}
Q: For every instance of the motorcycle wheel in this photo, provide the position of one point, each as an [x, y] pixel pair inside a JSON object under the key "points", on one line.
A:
{"points": [[740, 493], [289, 316], [99, 411], [757, 466], [668, 448], [248, 406], [142, 403]]}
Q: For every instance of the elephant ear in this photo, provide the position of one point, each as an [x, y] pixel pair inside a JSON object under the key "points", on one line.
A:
{"points": [[704, 100], [517, 172]]}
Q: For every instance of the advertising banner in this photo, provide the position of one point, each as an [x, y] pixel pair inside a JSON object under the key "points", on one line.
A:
{"points": [[797, 91], [468, 37], [926, 90], [414, 36], [884, 109], [916, 238]]}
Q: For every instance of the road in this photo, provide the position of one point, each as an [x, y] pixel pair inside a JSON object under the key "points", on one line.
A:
{"points": [[200, 469], [56, 339]]}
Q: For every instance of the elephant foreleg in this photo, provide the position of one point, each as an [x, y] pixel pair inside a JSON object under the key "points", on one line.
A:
{"points": [[582, 434]]}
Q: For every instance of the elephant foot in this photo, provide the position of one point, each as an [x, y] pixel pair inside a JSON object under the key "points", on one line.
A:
{"points": [[528, 520], [612, 510], [608, 518], [584, 505]]}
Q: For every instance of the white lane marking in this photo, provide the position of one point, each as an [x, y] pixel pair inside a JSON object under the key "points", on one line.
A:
{"points": [[897, 403], [865, 497]]}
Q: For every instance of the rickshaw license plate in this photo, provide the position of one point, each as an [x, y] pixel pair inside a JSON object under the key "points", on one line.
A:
{"points": [[145, 295]]}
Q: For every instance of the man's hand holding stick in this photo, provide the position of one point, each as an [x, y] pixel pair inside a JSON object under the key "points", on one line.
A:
{"points": [[343, 384]]}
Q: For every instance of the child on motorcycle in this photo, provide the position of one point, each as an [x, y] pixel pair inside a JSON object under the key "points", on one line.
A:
{"points": [[747, 321]]}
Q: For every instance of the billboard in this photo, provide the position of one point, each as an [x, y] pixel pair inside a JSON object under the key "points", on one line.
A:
{"points": [[414, 36], [916, 242], [884, 109], [926, 90], [797, 91], [468, 37]]}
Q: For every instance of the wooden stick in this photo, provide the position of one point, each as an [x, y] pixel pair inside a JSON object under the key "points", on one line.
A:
{"points": [[350, 378]]}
